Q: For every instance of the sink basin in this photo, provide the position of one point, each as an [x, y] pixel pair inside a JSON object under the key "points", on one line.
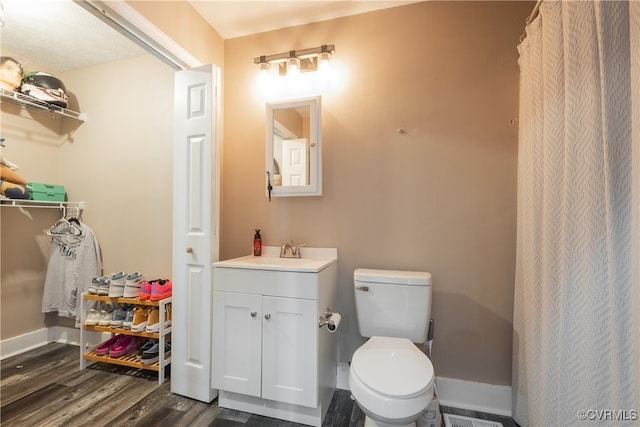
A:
{"points": [[312, 260]]}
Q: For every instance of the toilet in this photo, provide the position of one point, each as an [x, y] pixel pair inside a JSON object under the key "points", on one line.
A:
{"points": [[390, 378]]}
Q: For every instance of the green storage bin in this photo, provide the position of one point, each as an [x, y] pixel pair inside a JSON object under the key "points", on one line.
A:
{"points": [[47, 192]]}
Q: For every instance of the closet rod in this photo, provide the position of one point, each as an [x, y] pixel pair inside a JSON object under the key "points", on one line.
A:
{"points": [[17, 203]]}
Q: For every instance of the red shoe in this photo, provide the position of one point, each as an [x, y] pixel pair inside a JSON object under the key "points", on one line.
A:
{"points": [[161, 289], [145, 290], [126, 346], [104, 348]]}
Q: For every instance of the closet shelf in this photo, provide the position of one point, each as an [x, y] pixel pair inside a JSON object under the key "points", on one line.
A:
{"points": [[121, 300], [123, 331], [17, 203], [31, 102], [129, 360]]}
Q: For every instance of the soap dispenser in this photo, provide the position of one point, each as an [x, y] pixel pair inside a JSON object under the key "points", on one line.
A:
{"points": [[257, 243]]}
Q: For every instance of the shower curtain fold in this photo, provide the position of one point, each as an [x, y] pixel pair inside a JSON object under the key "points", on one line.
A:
{"points": [[577, 290]]}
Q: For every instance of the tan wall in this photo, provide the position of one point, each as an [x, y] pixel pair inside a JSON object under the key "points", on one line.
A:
{"points": [[439, 198]]}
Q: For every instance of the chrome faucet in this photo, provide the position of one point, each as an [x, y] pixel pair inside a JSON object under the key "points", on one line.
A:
{"points": [[290, 251]]}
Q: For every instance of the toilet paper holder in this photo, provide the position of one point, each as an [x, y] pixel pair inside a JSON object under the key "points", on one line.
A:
{"points": [[328, 321]]}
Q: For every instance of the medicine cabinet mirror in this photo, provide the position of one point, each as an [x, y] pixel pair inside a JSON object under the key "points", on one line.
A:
{"points": [[293, 148]]}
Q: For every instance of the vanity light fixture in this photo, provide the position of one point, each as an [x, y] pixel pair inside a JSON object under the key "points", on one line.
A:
{"points": [[296, 61], [263, 65]]}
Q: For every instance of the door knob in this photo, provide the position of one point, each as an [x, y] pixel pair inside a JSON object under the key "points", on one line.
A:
{"points": [[267, 316], [254, 313], [189, 249]]}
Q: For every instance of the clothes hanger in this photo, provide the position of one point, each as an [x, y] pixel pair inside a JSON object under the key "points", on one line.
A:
{"points": [[75, 217], [63, 227]]}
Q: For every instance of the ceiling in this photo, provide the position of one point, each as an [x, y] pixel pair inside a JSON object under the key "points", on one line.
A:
{"points": [[240, 18], [64, 36]]}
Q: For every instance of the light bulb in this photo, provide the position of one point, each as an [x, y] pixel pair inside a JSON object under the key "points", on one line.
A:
{"points": [[293, 66], [323, 60]]}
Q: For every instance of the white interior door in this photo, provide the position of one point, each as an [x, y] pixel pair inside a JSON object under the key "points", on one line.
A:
{"points": [[195, 229], [294, 161]]}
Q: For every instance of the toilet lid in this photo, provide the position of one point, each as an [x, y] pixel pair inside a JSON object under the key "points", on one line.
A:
{"points": [[393, 367]]}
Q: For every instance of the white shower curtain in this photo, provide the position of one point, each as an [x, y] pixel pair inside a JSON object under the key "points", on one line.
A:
{"points": [[576, 358]]}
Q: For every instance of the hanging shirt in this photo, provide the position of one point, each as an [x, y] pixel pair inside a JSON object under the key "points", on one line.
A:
{"points": [[74, 260]]}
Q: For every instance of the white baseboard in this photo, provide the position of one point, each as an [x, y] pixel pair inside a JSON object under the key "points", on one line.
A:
{"points": [[489, 398], [342, 380], [22, 343]]}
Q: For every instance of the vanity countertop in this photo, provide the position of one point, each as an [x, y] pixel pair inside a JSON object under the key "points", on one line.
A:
{"points": [[312, 260]]}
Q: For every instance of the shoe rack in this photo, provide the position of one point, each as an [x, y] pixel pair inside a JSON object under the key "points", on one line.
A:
{"points": [[88, 349]]}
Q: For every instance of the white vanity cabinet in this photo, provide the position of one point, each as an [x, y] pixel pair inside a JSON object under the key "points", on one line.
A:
{"points": [[269, 355]]}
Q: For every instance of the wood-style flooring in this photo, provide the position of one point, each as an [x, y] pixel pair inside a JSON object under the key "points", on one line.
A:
{"points": [[45, 387]]}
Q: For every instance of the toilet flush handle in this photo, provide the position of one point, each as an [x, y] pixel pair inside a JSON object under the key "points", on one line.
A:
{"points": [[363, 288]]}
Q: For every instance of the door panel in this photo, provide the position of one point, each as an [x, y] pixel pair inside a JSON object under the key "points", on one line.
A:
{"points": [[237, 342], [290, 349]]}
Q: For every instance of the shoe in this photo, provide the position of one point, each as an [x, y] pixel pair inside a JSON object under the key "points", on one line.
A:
{"points": [[128, 344], [161, 289], [93, 317], [146, 346], [103, 286], [104, 348], [93, 287], [153, 323], [140, 317], [116, 289], [167, 316], [132, 285], [153, 354], [145, 290], [128, 319], [105, 315], [118, 316]]}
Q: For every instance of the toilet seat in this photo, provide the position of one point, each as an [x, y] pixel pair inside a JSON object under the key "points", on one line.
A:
{"points": [[391, 379]]}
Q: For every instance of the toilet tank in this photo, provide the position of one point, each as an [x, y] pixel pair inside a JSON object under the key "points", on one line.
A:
{"points": [[393, 303]]}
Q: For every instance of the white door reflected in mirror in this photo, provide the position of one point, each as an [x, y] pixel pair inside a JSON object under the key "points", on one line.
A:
{"points": [[293, 148]]}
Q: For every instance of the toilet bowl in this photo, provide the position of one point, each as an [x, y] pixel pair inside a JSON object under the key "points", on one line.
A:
{"points": [[391, 380]]}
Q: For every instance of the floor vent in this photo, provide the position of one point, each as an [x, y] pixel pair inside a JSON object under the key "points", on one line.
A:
{"points": [[460, 421]]}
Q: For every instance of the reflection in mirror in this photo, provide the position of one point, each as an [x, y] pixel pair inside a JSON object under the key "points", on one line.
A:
{"points": [[293, 147]]}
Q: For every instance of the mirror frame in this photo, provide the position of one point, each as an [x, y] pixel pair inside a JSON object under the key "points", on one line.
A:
{"points": [[314, 188]]}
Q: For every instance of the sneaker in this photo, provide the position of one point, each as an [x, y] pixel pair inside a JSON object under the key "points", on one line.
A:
{"points": [[104, 348], [153, 354], [93, 287], [161, 289], [103, 286], [93, 317], [167, 316], [145, 290], [146, 346], [105, 315], [132, 285], [118, 316], [128, 319], [116, 289], [153, 323], [128, 344], [140, 317]]}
